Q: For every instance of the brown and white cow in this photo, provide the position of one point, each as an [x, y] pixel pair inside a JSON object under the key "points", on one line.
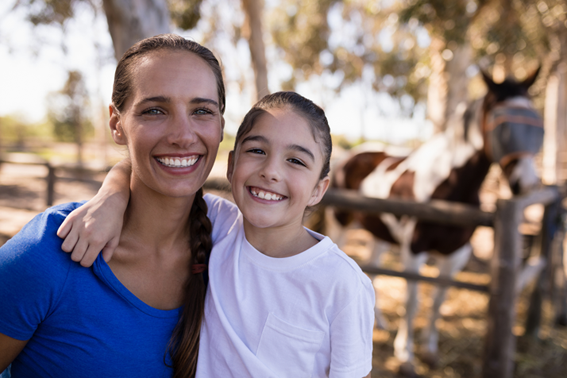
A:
{"points": [[500, 128]]}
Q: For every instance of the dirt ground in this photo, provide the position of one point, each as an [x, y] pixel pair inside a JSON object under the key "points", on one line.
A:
{"points": [[462, 326]]}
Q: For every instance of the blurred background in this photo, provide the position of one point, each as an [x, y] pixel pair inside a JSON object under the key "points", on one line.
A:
{"points": [[385, 71]]}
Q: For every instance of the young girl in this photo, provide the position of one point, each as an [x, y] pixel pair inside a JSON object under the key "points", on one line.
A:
{"points": [[283, 301]]}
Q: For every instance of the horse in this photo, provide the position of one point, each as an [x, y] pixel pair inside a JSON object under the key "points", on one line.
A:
{"points": [[503, 128]]}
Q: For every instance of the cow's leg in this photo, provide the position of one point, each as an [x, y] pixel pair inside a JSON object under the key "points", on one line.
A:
{"points": [[403, 344], [448, 267], [378, 249]]}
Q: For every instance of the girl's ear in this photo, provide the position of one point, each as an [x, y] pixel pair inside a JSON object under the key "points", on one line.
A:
{"points": [[115, 124], [319, 191], [230, 167]]}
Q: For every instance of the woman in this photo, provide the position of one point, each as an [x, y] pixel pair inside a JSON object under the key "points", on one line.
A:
{"points": [[140, 314]]}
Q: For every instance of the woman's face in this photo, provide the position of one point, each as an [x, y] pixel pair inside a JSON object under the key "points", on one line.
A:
{"points": [[172, 123]]}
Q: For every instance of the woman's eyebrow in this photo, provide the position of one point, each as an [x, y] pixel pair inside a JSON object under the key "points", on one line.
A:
{"points": [[199, 100], [196, 100], [154, 99]]}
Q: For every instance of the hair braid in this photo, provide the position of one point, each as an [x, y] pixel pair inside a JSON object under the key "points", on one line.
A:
{"points": [[185, 342]]}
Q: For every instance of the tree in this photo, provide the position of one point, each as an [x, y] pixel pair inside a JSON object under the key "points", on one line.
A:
{"points": [[67, 112], [255, 36]]}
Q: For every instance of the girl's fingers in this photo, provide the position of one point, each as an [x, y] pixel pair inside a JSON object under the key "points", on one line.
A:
{"points": [[79, 250], [109, 249], [71, 239], [90, 255], [65, 228]]}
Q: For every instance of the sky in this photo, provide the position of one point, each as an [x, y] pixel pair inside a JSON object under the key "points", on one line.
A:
{"points": [[34, 62]]}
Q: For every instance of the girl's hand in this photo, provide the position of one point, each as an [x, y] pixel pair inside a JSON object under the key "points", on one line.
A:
{"points": [[92, 228], [96, 226]]}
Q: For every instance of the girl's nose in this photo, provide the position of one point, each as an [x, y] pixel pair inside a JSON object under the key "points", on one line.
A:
{"points": [[271, 170], [182, 132]]}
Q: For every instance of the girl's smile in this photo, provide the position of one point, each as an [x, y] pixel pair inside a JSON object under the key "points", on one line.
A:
{"points": [[265, 195]]}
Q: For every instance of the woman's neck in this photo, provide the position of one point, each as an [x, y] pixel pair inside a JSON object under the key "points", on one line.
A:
{"points": [[157, 221], [278, 242]]}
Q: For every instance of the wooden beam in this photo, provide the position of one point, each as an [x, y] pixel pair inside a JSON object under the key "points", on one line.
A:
{"points": [[443, 212], [439, 281]]}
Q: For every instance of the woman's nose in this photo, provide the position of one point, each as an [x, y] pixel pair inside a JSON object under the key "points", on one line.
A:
{"points": [[182, 132]]}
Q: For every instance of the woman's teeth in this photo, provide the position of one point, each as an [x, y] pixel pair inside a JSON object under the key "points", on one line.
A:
{"points": [[178, 162], [265, 195]]}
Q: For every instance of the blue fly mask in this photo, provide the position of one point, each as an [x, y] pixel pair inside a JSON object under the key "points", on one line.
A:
{"points": [[512, 132]]}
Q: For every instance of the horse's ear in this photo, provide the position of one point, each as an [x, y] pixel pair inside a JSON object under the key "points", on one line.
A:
{"points": [[531, 79], [488, 80]]}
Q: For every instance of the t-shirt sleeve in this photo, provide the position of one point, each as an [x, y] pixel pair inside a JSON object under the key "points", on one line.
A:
{"points": [[33, 270], [351, 335], [223, 214]]}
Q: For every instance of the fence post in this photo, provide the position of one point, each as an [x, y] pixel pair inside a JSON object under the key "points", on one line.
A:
{"points": [[50, 184], [548, 228], [500, 342]]}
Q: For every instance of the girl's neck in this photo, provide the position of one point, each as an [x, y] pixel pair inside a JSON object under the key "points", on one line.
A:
{"points": [[279, 242]]}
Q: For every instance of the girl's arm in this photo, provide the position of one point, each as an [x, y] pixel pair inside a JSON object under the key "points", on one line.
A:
{"points": [[96, 226]]}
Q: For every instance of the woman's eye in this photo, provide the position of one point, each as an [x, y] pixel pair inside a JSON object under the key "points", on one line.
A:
{"points": [[296, 161], [202, 111], [152, 112]]}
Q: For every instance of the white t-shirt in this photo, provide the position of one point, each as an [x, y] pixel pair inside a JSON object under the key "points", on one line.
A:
{"points": [[308, 315]]}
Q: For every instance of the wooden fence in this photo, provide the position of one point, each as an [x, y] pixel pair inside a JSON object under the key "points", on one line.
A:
{"points": [[508, 275]]}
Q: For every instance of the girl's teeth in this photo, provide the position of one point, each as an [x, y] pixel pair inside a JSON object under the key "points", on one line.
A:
{"points": [[266, 196]]}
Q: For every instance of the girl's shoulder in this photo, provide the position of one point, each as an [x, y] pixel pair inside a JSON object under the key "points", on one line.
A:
{"points": [[223, 214]]}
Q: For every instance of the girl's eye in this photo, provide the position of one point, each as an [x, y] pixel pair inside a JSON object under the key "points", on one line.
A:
{"points": [[256, 151], [296, 161]]}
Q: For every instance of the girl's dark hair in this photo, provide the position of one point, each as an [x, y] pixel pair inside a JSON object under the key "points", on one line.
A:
{"points": [[314, 115], [184, 343]]}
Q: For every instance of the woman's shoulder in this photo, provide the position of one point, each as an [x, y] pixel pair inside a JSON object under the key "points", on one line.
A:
{"points": [[37, 246]]}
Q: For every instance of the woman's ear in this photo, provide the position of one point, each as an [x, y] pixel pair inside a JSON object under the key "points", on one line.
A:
{"points": [[319, 191], [115, 124], [230, 167]]}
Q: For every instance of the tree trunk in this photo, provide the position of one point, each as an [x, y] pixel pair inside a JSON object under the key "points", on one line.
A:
{"points": [[253, 10], [555, 123], [130, 21], [448, 83]]}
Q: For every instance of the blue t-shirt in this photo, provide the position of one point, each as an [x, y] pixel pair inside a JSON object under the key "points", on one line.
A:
{"points": [[80, 322]]}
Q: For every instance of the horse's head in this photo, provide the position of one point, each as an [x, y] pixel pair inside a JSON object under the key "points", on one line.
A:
{"points": [[512, 131]]}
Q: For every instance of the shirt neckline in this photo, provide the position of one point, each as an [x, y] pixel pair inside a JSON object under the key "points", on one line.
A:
{"points": [[103, 271], [286, 263]]}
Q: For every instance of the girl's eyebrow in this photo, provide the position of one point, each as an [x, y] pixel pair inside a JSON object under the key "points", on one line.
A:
{"points": [[296, 147]]}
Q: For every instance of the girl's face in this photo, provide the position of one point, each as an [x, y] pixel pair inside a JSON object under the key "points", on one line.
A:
{"points": [[275, 169], [171, 123]]}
